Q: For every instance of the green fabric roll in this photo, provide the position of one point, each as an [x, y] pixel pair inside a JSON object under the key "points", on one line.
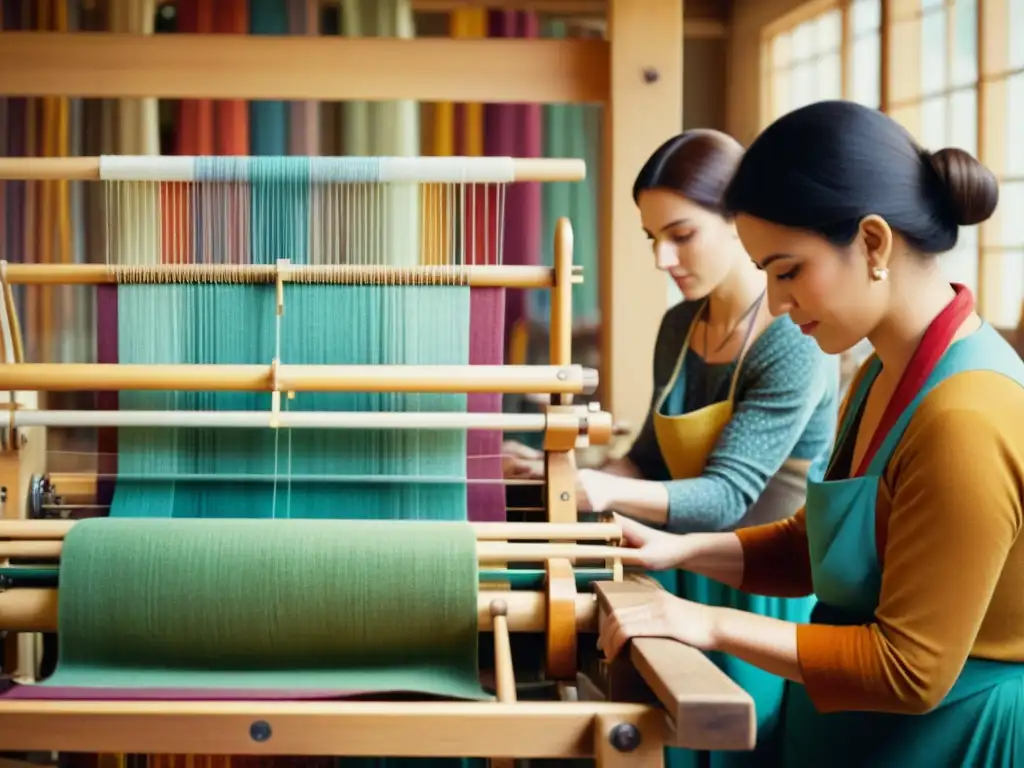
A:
{"points": [[327, 605]]}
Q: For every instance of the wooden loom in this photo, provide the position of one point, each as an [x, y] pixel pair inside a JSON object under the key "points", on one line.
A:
{"points": [[663, 694]]}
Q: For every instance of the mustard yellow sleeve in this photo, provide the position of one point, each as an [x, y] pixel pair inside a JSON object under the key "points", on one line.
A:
{"points": [[953, 494], [776, 562]]}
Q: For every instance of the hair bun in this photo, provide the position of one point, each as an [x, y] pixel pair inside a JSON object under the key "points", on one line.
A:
{"points": [[972, 189]]}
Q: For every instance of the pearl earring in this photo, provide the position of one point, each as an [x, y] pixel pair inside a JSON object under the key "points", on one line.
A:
{"points": [[879, 273]]}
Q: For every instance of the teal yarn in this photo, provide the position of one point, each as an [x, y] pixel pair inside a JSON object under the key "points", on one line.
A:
{"points": [[322, 324]]}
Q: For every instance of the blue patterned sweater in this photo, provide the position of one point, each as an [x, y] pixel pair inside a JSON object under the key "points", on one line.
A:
{"points": [[787, 400]]}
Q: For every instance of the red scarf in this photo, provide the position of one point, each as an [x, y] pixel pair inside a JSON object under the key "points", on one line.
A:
{"points": [[927, 355]]}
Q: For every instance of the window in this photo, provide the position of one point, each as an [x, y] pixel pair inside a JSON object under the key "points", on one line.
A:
{"points": [[953, 74], [824, 51], [864, 72], [1002, 238], [934, 92], [807, 63]]}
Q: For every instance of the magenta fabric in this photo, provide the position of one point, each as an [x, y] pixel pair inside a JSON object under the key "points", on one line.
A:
{"points": [[106, 352], [516, 130], [485, 501]]}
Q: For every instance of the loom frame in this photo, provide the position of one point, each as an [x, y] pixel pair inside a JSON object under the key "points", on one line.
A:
{"points": [[637, 76]]}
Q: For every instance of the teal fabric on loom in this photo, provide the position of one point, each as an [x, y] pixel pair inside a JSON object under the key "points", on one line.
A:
{"points": [[322, 324]]}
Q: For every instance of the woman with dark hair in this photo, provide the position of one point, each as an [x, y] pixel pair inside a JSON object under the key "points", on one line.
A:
{"points": [[744, 406], [914, 655]]}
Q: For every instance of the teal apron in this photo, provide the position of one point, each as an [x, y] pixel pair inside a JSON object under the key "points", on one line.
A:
{"points": [[981, 720]]}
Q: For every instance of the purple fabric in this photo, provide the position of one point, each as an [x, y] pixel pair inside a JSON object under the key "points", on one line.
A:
{"points": [[106, 352], [516, 130], [485, 501]]}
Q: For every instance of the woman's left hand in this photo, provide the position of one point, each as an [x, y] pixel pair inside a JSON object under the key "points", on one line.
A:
{"points": [[594, 490], [664, 615]]}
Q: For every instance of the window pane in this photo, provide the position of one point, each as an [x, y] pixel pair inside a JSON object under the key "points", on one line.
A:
{"points": [[933, 53], [962, 119], [965, 42], [927, 5], [801, 86], [1016, 35], [865, 71], [830, 77], [1014, 147], [780, 51], [932, 131], [1011, 206], [829, 32], [802, 41], [865, 15], [1011, 300]]}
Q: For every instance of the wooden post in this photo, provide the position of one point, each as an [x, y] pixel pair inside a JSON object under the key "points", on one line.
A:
{"points": [[644, 108]]}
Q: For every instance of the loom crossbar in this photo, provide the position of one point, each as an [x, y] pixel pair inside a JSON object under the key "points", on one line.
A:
{"points": [[523, 422], [157, 168], [32, 609], [394, 729], [503, 276], [512, 379]]}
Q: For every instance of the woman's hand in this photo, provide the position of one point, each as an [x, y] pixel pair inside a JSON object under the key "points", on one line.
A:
{"points": [[520, 462], [657, 550], [663, 615], [594, 490]]}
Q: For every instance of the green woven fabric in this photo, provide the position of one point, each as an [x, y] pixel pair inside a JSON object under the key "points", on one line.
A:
{"points": [[344, 605], [320, 473]]}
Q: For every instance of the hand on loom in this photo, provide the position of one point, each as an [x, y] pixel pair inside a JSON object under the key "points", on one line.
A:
{"points": [[662, 615], [520, 462], [657, 550]]}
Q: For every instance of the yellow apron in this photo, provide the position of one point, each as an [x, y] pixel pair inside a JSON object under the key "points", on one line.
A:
{"points": [[686, 441]]}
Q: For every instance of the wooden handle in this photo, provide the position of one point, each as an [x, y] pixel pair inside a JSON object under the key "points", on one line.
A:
{"points": [[708, 709]]}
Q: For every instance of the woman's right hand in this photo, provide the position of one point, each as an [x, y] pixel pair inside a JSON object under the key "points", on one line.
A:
{"points": [[521, 462], [658, 550]]}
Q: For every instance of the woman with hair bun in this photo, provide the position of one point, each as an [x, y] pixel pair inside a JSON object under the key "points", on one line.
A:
{"points": [[744, 406], [912, 545]]}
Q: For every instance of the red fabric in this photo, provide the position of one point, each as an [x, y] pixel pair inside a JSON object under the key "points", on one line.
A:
{"points": [[927, 355]]}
